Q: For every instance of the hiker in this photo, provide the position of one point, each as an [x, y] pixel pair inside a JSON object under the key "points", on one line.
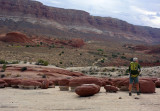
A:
{"points": [[134, 70]]}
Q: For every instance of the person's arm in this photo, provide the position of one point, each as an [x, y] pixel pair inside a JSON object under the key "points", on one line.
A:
{"points": [[129, 69], [139, 68]]}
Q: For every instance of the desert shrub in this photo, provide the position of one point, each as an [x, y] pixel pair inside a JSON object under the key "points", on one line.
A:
{"points": [[113, 69], [42, 62], [15, 62], [45, 63], [123, 57], [101, 50], [27, 45], [83, 71], [61, 62], [102, 61], [23, 69], [62, 52], [2, 75], [43, 76], [104, 70], [41, 43], [80, 54], [114, 55], [4, 68], [2, 61]]}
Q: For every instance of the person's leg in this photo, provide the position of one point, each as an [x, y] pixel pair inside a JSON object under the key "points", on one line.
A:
{"points": [[137, 85], [130, 85]]}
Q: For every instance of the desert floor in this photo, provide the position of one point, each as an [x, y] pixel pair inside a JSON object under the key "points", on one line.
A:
{"points": [[54, 100]]}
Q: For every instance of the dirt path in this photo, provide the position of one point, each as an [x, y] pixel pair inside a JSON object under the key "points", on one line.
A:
{"points": [[55, 100]]}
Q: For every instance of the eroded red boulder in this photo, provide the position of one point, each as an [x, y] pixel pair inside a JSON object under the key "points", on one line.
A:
{"points": [[87, 90], [110, 88], [45, 84], [147, 86], [157, 83]]}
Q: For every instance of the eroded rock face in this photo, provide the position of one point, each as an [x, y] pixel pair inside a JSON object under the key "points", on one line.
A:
{"points": [[87, 90], [110, 88]]}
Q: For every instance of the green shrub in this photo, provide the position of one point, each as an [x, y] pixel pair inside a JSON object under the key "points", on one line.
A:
{"points": [[45, 63], [23, 69], [101, 50], [2, 75], [42, 62], [27, 45], [41, 43], [102, 61], [4, 68], [114, 55], [15, 62], [44, 76], [2, 61], [123, 57], [113, 69]]}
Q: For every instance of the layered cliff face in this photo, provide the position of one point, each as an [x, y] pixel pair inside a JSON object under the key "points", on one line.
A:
{"points": [[33, 17]]}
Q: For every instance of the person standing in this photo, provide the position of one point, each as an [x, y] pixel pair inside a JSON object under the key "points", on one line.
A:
{"points": [[134, 70]]}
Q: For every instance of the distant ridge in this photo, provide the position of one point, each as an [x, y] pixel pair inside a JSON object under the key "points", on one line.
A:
{"points": [[34, 18]]}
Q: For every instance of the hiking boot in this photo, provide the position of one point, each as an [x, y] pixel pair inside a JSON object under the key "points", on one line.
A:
{"points": [[130, 94], [138, 93]]}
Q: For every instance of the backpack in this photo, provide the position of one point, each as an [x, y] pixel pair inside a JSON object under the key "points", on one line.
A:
{"points": [[134, 68]]}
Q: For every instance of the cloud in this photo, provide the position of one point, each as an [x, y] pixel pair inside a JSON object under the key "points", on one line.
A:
{"points": [[138, 12]]}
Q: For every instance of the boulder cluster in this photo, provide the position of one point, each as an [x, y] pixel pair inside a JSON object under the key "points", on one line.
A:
{"points": [[83, 86]]}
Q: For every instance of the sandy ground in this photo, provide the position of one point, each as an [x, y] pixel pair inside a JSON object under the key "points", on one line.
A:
{"points": [[55, 100]]}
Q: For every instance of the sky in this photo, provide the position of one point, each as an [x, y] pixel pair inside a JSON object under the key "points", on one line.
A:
{"points": [[137, 12]]}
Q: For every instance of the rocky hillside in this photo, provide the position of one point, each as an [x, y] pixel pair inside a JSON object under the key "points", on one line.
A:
{"points": [[32, 17]]}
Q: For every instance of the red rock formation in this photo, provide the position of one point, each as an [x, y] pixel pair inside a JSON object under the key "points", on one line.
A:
{"points": [[16, 37], [84, 80], [105, 81], [110, 88], [15, 82], [76, 42], [87, 90], [3, 84], [63, 82], [27, 83]]}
